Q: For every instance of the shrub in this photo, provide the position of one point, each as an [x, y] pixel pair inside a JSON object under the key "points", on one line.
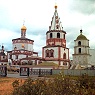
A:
{"points": [[60, 85]]}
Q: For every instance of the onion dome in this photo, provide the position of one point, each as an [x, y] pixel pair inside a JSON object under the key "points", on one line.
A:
{"points": [[55, 6], [23, 28], [81, 36]]}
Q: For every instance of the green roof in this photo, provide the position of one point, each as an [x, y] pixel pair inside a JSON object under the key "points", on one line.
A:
{"points": [[81, 37], [48, 64]]}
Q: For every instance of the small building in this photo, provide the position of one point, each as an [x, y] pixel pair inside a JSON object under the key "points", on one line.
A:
{"points": [[83, 55], [3, 57]]}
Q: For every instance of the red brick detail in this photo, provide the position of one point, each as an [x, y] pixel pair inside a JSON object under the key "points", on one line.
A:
{"points": [[54, 40], [68, 54], [59, 50], [42, 52], [22, 41]]}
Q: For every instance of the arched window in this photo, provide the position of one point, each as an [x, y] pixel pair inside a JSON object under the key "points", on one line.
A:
{"points": [[79, 43], [58, 35], [64, 56], [79, 50], [16, 56], [26, 56], [47, 53], [64, 63], [50, 35], [64, 36], [10, 56], [51, 53]]}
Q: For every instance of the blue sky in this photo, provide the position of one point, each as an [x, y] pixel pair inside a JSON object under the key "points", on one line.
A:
{"points": [[74, 15]]}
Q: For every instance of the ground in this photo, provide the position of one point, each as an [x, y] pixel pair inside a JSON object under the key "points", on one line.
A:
{"points": [[6, 85]]}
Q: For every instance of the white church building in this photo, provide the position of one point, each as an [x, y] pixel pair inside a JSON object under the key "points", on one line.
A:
{"points": [[55, 49], [23, 51], [83, 56]]}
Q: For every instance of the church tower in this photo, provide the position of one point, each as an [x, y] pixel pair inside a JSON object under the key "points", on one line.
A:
{"points": [[81, 54], [55, 49]]}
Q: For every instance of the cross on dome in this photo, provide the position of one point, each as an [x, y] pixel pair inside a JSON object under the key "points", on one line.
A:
{"points": [[81, 31], [23, 27], [56, 23]]}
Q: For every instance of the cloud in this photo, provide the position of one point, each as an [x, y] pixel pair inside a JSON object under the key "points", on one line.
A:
{"points": [[83, 6], [74, 15]]}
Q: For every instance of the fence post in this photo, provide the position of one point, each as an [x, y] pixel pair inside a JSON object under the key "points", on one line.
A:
{"points": [[5, 71], [28, 72], [39, 72], [51, 72]]}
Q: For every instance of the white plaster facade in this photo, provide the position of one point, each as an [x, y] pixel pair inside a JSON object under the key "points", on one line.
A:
{"points": [[92, 59], [55, 49], [27, 46], [81, 50], [23, 50]]}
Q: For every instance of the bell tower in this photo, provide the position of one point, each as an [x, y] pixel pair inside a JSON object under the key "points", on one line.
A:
{"points": [[55, 49], [81, 50]]}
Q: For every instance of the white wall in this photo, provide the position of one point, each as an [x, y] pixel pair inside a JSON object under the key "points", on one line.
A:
{"points": [[81, 59], [27, 46], [83, 42], [92, 53], [35, 55], [19, 56], [64, 51], [55, 51]]}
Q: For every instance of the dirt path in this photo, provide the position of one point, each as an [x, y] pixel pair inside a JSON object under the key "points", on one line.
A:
{"points": [[6, 85]]}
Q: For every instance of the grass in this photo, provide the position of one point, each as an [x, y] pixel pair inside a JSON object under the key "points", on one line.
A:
{"points": [[66, 76], [6, 83]]}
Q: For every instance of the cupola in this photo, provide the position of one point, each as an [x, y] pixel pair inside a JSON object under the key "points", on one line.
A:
{"points": [[81, 36], [23, 28]]}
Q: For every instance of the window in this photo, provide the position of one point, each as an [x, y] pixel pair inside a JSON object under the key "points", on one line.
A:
{"points": [[64, 36], [58, 35], [64, 63], [51, 53], [47, 53], [26, 56], [10, 56], [50, 35], [79, 43], [79, 50], [64, 56], [16, 56], [57, 26]]}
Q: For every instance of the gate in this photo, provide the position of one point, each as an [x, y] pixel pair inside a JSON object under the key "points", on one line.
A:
{"points": [[3, 70], [40, 72], [24, 71]]}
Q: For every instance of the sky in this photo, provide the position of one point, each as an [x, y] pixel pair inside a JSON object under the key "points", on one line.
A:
{"points": [[37, 14]]}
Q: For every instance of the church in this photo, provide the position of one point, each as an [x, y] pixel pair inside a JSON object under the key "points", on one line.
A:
{"points": [[23, 52], [54, 51], [83, 56]]}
